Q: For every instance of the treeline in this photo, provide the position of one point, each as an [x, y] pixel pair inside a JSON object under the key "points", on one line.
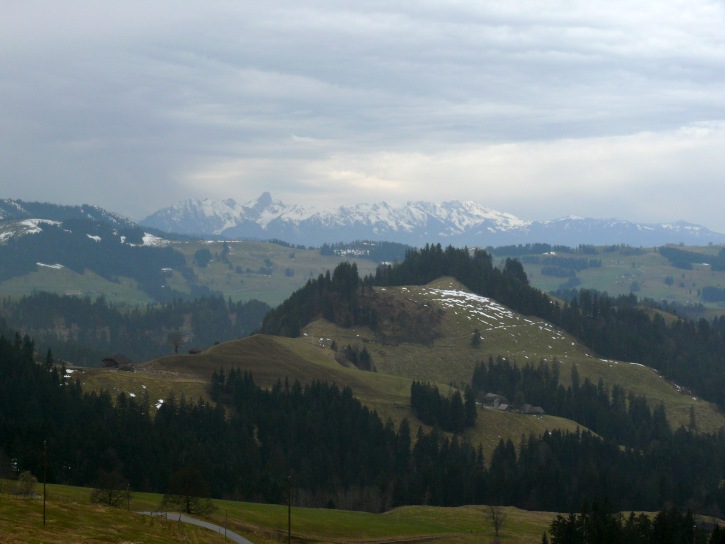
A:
{"points": [[361, 358], [84, 330], [713, 294], [559, 470], [561, 267], [451, 413], [374, 250], [339, 453], [636, 457], [598, 524], [684, 259], [621, 417], [335, 297], [684, 351]]}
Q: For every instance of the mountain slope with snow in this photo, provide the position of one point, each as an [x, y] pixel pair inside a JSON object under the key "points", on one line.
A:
{"points": [[415, 223]]}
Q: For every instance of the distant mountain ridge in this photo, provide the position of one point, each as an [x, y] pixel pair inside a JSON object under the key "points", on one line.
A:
{"points": [[415, 223], [17, 210]]}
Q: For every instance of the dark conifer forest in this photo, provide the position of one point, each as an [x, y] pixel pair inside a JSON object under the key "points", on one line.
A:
{"points": [[85, 330], [598, 524]]}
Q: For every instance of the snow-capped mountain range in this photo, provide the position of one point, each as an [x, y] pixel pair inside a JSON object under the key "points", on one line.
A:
{"points": [[415, 223]]}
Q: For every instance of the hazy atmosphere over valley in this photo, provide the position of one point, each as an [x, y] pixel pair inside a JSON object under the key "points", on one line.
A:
{"points": [[599, 109]]}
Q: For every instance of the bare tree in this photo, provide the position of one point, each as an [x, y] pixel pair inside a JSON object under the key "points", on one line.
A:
{"points": [[187, 488], [176, 339], [497, 516], [111, 489]]}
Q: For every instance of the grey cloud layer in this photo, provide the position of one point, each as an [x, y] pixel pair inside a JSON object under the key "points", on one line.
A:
{"points": [[138, 105]]}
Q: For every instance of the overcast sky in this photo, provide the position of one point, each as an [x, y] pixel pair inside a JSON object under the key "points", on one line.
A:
{"points": [[540, 109]]}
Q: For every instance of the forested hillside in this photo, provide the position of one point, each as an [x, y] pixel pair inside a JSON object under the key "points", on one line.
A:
{"points": [[338, 452], [83, 244], [83, 331], [689, 353]]}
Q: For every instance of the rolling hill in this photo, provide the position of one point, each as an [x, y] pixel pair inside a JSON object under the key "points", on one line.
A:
{"points": [[447, 359]]}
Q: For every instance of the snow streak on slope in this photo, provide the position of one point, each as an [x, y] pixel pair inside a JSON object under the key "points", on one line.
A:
{"points": [[487, 312]]}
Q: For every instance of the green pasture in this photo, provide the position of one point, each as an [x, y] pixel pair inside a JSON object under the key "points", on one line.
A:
{"points": [[621, 270], [71, 517]]}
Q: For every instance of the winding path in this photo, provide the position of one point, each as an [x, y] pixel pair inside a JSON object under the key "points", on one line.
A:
{"points": [[175, 516]]}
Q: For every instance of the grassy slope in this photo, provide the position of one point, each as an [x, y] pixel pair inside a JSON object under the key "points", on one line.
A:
{"points": [[21, 522], [65, 281], [218, 276], [274, 358], [71, 518]]}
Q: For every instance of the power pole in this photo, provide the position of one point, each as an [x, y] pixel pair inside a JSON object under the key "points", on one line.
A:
{"points": [[289, 509], [45, 473]]}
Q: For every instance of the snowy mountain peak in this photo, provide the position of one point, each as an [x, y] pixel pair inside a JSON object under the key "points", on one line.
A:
{"points": [[416, 223], [264, 201]]}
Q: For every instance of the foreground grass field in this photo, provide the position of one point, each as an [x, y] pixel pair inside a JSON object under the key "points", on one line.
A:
{"points": [[72, 518]]}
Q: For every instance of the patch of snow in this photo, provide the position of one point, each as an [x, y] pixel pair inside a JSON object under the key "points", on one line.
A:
{"points": [[151, 240], [94, 238], [33, 225], [53, 266]]}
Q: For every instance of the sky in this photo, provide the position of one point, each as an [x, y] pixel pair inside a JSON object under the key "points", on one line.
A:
{"points": [[605, 109]]}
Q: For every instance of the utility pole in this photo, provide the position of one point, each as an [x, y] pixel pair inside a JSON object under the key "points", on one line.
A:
{"points": [[289, 509], [45, 473]]}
